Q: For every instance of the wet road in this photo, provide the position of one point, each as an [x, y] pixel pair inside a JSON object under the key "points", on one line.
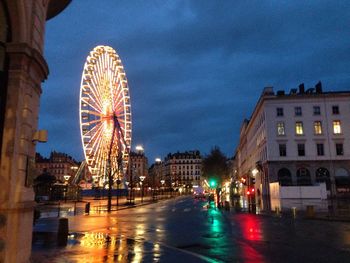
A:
{"points": [[185, 230]]}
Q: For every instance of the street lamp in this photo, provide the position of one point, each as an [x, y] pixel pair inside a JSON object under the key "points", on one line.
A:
{"points": [[139, 148], [155, 175], [66, 178], [142, 177], [162, 182]]}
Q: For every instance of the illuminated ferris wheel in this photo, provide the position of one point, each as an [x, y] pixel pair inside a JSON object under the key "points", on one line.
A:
{"points": [[105, 114]]}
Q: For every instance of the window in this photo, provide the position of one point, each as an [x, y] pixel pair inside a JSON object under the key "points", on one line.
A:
{"points": [[320, 149], [301, 149], [318, 127], [279, 112], [284, 177], [283, 149], [303, 177], [339, 149], [299, 128], [317, 110], [280, 129], [335, 109], [336, 127], [297, 111]]}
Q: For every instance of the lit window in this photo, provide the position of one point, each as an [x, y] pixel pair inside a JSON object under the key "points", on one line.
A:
{"points": [[297, 111], [318, 127], [280, 129], [317, 110], [299, 128], [279, 112], [336, 127]]}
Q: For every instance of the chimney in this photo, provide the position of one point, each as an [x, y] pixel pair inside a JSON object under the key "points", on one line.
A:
{"points": [[268, 91], [318, 87], [301, 88]]}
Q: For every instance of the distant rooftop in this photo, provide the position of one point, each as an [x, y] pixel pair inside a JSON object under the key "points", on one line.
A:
{"points": [[300, 91]]}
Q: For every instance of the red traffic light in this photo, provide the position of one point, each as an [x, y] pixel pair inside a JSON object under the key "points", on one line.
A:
{"points": [[248, 193]]}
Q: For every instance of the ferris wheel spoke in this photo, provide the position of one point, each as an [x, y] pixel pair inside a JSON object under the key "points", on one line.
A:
{"points": [[96, 91], [95, 140], [92, 95]]}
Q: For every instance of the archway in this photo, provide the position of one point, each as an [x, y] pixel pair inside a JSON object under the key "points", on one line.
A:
{"points": [[323, 176], [342, 180], [284, 177], [303, 177]]}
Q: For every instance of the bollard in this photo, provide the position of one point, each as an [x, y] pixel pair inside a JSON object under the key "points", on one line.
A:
{"points": [[277, 210], [62, 232], [59, 209], [310, 212], [294, 212], [227, 205], [254, 208], [238, 207], [87, 208], [75, 207], [331, 210]]}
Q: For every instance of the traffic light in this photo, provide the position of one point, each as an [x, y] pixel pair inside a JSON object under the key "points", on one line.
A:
{"points": [[212, 183]]}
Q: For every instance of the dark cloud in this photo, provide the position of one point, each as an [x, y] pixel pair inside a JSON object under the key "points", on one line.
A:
{"points": [[195, 68]]}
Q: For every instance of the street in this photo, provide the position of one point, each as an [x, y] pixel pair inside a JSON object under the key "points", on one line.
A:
{"points": [[185, 229]]}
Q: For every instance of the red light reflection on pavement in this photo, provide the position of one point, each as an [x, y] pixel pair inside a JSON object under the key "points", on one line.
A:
{"points": [[250, 228]]}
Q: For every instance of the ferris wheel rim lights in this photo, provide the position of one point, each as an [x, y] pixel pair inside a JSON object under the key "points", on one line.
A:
{"points": [[105, 113]]}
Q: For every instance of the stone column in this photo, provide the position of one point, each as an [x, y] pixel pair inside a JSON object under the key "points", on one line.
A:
{"points": [[27, 69]]}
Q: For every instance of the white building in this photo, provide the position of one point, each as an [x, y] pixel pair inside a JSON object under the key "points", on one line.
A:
{"points": [[300, 138]]}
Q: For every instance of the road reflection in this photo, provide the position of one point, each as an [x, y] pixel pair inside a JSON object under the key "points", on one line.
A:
{"points": [[252, 233]]}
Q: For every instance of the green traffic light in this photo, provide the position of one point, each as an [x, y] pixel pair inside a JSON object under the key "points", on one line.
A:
{"points": [[212, 183]]}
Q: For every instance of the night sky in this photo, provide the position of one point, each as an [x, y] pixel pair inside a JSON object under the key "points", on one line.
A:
{"points": [[195, 68]]}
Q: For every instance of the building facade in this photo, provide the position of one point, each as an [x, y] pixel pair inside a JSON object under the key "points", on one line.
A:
{"points": [[156, 175], [58, 165], [139, 168], [183, 169], [299, 138]]}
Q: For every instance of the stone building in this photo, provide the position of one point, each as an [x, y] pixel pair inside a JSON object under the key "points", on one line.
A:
{"points": [[183, 169], [58, 165], [299, 138], [156, 174], [22, 70], [139, 168]]}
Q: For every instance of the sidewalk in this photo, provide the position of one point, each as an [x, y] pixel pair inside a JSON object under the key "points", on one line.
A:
{"points": [[97, 206], [50, 213]]}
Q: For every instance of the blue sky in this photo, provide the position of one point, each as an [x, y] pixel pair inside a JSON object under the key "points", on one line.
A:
{"points": [[195, 68]]}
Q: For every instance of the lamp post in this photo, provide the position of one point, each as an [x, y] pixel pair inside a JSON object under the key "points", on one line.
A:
{"points": [[66, 179], [158, 162], [141, 179], [162, 182], [255, 171]]}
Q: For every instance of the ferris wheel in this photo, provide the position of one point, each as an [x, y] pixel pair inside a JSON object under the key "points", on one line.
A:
{"points": [[105, 114]]}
